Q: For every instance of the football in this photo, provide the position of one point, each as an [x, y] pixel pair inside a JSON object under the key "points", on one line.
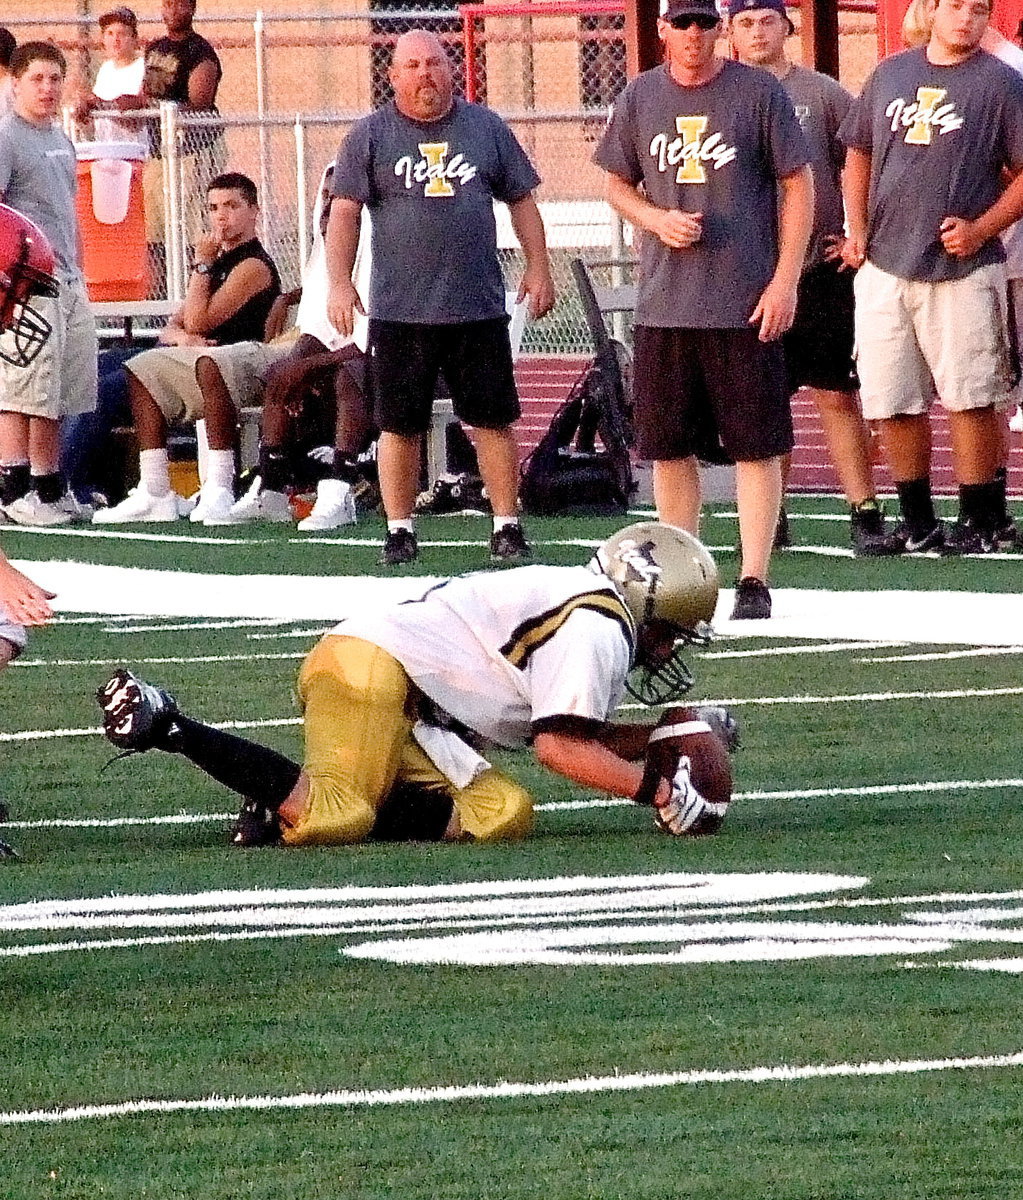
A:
{"points": [[685, 733]]}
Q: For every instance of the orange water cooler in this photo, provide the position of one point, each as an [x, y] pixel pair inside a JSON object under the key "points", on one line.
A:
{"points": [[111, 216]]}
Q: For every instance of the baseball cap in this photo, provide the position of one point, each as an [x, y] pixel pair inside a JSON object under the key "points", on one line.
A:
{"points": [[740, 6], [122, 16], [690, 8]]}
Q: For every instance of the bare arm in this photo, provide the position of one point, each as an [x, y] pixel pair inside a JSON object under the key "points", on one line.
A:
{"points": [[962, 238], [537, 283], [202, 86], [204, 309], [776, 307], [588, 762], [341, 243], [856, 192], [676, 229]]}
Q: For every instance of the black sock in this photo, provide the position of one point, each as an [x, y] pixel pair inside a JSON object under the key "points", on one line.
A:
{"points": [[15, 482], [273, 468], [1002, 484], [917, 505], [978, 504], [49, 488], [245, 767], [345, 468]]}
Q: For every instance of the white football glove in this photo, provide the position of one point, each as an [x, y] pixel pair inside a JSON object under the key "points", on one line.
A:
{"points": [[684, 809]]}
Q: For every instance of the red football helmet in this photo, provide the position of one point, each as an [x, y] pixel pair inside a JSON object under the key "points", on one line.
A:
{"points": [[27, 264]]}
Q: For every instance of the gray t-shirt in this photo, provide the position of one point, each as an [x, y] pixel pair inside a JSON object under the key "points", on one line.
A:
{"points": [[38, 178], [821, 104], [938, 138], [430, 188], [719, 149]]}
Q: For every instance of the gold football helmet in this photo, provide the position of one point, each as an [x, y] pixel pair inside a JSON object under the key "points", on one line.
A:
{"points": [[670, 586]]}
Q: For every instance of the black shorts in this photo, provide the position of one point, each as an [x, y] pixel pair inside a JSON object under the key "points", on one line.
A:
{"points": [[819, 346], [405, 361], [698, 391]]}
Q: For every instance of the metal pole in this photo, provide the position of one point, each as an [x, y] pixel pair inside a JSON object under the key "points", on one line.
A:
{"points": [[302, 207], [258, 34], [617, 271]]}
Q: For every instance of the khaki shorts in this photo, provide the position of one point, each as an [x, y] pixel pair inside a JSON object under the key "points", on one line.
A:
{"points": [[61, 380], [168, 374], [357, 703], [915, 339]]}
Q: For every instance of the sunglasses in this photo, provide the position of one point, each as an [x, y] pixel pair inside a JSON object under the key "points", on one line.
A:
{"points": [[700, 20]]}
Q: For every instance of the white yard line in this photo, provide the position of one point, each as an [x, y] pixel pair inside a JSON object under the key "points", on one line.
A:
{"points": [[507, 1090]]}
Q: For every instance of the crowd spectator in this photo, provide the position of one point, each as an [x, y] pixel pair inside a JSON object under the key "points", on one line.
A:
{"points": [[819, 346], [181, 66], [120, 74], [705, 156], [931, 308], [38, 178], [7, 45], [233, 285], [436, 302]]}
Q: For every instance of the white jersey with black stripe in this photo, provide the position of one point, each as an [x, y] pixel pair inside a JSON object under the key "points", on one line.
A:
{"points": [[501, 650]]}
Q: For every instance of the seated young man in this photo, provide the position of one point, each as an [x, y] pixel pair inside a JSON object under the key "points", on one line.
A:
{"points": [[233, 286]]}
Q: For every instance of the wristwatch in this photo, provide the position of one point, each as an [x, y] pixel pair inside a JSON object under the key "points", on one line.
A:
{"points": [[202, 268]]}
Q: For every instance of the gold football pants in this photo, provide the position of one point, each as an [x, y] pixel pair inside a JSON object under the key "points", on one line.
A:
{"points": [[359, 711]]}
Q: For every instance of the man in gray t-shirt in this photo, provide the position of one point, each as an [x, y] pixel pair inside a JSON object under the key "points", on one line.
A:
{"points": [[38, 178], [706, 159], [819, 346], [429, 167], [928, 143]]}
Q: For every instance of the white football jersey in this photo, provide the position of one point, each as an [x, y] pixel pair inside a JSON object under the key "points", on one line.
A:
{"points": [[499, 650]]}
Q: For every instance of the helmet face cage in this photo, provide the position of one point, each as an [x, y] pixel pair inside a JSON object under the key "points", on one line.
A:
{"points": [[23, 329]]}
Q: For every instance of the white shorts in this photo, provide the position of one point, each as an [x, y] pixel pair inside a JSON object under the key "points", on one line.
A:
{"points": [[915, 339], [61, 380], [168, 374]]}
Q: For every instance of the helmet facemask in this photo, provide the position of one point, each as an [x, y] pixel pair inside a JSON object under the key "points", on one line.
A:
{"points": [[25, 329], [661, 675]]}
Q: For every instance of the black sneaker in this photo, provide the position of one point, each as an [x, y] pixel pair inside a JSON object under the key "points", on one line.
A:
{"points": [[400, 548], [257, 825], [868, 534], [508, 546], [136, 715], [901, 541], [752, 600], [966, 538], [782, 536], [8, 853], [1008, 536]]}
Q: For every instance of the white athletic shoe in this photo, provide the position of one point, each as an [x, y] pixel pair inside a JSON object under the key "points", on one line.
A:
{"points": [[215, 504], [335, 506], [79, 511], [258, 504], [139, 505], [30, 510]]}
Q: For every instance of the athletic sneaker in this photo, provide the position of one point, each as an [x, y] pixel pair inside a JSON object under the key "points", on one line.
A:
{"points": [[136, 715], [80, 512], [214, 507], [259, 504], [508, 546], [139, 505], [868, 534], [901, 541], [30, 510], [752, 600], [256, 825], [334, 507], [1008, 536], [400, 548], [966, 538]]}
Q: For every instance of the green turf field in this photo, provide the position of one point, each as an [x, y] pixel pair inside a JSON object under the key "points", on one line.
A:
{"points": [[822, 1002]]}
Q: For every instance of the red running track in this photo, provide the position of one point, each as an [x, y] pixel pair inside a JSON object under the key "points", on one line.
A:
{"points": [[544, 383]]}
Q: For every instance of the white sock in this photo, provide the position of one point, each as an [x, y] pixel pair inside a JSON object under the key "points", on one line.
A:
{"points": [[501, 522], [394, 526], [154, 474], [220, 469]]}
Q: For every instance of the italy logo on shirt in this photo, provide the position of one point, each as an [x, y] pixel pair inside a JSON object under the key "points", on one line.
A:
{"points": [[435, 170], [920, 117], [692, 151]]}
